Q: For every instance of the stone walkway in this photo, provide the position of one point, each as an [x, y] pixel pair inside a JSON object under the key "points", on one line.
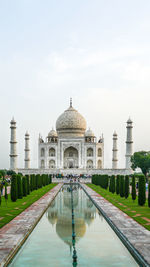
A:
{"points": [[130, 230], [13, 234]]}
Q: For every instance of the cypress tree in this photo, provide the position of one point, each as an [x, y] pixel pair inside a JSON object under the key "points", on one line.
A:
{"points": [[39, 178], [31, 183], [28, 184], [19, 185], [113, 184], [47, 179], [6, 195], [36, 182], [14, 193], [43, 179], [110, 184], [133, 188], [24, 186], [50, 178], [117, 184], [121, 186], [149, 194], [141, 191], [126, 193]]}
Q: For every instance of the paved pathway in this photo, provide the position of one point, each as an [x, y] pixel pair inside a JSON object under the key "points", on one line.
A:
{"points": [[13, 234], [133, 232]]}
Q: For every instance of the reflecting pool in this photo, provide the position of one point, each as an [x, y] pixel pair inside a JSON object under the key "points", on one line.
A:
{"points": [[51, 242]]}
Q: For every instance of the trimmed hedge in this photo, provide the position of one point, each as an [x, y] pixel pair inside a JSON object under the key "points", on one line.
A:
{"points": [[141, 191], [19, 184], [117, 184], [14, 189], [126, 192], [149, 194], [121, 186], [133, 188], [101, 180], [24, 186]]}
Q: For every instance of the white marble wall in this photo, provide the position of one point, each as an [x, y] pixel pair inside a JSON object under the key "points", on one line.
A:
{"points": [[77, 143]]}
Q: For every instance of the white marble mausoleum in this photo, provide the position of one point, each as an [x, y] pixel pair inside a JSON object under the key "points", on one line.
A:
{"points": [[71, 146]]}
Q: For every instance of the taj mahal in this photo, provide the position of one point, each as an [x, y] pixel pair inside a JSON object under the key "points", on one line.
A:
{"points": [[71, 148]]}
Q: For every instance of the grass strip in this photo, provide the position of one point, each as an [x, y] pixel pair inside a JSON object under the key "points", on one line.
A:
{"points": [[140, 214], [9, 210]]}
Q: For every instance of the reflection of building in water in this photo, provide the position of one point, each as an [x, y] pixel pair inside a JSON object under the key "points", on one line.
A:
{"points": [[89, 212], [59, 213]]}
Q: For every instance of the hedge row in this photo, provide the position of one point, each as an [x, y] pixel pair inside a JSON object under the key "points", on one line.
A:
{"points": [[21, 186], [101, 180], [120, 185]]}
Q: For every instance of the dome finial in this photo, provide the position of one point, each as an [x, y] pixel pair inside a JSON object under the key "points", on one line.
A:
{"points": [[70, 102]]}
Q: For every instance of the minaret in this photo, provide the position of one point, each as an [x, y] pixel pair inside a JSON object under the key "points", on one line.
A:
{"points": [[27, 152], [129, 144], [71, 102], [13, 146], [115, 150]]}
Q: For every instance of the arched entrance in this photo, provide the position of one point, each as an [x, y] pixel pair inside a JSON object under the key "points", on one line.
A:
{"points": [[71, 158]]}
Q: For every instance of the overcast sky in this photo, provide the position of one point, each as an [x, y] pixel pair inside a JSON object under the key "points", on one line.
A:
{"points": [[97, 52]]}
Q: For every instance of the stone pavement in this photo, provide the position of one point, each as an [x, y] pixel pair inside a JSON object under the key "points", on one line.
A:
{"points": [[132, 232], [13, 234]]}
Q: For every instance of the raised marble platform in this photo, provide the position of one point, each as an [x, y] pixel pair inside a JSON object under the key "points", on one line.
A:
{"points": [[75, 171]]}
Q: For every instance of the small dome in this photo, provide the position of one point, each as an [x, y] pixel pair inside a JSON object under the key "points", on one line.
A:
{"points": [[71, 122], [13, 120], [114, 134], [129, 121], [89, 133], [52, 133], [26, 134]]}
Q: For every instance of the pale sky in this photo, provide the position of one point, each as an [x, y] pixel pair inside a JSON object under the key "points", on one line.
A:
{"points": [[97, 52]]}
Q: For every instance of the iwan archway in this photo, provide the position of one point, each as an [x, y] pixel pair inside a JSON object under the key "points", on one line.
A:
{"points": [[71, 158]]}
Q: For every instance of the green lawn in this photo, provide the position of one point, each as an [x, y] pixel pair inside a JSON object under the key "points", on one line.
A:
{"points": [[10, 210], [141, 214]]}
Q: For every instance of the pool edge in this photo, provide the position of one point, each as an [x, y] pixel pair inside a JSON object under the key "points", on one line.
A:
{"points": [[134, 252]]}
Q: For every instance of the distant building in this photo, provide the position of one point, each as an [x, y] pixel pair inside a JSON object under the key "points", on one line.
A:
{"points": [[71, 148]]}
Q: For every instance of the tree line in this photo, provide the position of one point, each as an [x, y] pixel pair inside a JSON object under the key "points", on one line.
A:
{"points": [[21, 186], [120, 185]]}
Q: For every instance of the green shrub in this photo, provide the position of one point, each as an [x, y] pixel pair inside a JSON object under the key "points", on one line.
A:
{"points": [[141, 191], [117, 184], [133, 188], [149, 194], [24, 186], [19, 185], [110, 184], [28, 184], [14, 191], [126, 193], [50, 178], [40, 183], [121, 186], [113, 184], [31, 182], [6, 195]]}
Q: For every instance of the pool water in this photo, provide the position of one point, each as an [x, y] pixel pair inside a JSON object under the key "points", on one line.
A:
{"points": [[50, 243]]}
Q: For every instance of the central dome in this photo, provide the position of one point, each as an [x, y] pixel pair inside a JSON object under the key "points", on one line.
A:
{"points": [[71, 123]]}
